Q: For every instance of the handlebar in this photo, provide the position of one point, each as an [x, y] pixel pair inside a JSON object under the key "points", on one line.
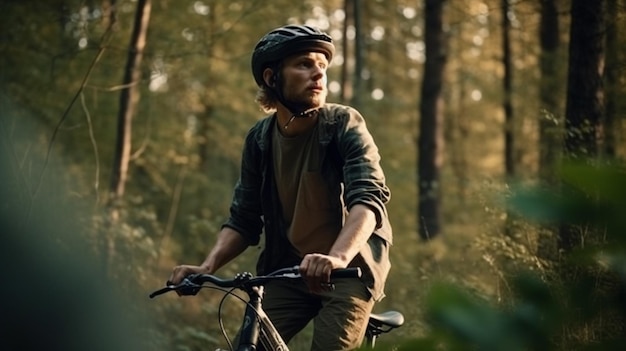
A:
{"points": [[192, 284]]}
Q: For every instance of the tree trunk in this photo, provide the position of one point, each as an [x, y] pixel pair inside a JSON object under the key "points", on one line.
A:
{"points": [[584, 93], [129, 97], [431, 116], [346, 86], [507, 103], [612, 79], [584, 108], [550, 120], [359, 55], [507, 106], [549, 136]]}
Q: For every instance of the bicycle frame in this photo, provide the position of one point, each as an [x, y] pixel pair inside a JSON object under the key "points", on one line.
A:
{"points": [[257, 328]]}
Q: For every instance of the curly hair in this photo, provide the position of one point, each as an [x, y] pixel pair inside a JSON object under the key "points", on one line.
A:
{"points": [[267, 99]]}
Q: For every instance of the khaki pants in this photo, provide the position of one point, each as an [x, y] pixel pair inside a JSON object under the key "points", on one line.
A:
{"points": [[339, 316]]}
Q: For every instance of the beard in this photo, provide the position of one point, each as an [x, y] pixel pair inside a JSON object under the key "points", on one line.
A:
{"points": [[306, 100]]}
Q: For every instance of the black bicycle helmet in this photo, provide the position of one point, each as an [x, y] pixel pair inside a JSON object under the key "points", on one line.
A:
{"points": [[284, 41]]}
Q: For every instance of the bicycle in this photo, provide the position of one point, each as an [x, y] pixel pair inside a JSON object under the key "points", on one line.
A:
{"points": [[257, 328]]}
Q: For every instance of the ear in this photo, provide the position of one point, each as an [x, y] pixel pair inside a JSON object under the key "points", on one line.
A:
{"points": [[268, 77]]}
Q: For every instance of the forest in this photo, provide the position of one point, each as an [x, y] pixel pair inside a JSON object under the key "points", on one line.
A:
{"points": [[501, 126]]}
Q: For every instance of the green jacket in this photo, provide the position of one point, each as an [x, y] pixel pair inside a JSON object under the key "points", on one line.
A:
{"points": [[350, 164]]}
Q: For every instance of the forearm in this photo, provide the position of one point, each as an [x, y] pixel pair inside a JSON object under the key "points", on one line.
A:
{"points": [[359, 226], [228, 246]]}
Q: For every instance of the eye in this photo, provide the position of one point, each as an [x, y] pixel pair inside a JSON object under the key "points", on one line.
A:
{"points": [[305, 63]]}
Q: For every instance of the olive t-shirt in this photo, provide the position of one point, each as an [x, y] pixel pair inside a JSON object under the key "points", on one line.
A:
{"points": [[313, 223]]}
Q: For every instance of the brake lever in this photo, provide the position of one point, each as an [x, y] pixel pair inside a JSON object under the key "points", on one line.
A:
{"points": [[185, 288], [160, 291]]}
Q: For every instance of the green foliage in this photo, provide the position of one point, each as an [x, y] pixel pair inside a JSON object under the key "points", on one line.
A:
{"points": [[461, 321], [55, 293], [590, 193], [582, 307]]}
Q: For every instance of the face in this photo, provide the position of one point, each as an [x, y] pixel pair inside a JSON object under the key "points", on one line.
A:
{"points": [[304, 79]]}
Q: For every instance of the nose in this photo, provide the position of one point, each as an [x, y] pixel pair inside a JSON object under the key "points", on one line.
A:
{"points": [[319, 72]]}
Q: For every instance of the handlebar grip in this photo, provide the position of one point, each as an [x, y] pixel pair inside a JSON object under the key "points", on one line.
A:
{"points": [[351, 272]]}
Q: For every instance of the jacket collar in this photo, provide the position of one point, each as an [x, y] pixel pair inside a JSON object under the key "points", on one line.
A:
{"points": [[327, 127]]}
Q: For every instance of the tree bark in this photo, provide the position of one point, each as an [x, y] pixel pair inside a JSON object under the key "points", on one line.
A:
{"points": [[507, 81], [584, 107], [346, 87], [550, 118], [431, 118], [129, 98], [612, 80], [549, 136], [359, 55]]}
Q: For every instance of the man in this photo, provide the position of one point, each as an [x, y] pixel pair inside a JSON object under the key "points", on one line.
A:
{"points": [[311, 180]]}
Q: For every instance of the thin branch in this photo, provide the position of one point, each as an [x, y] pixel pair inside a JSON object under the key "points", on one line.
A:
{"points": [[105, 38], [94, 144], [113, 88]]}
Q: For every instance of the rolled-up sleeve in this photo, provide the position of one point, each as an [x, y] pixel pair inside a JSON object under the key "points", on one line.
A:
{"points": [[245, 210], [364, 179]]}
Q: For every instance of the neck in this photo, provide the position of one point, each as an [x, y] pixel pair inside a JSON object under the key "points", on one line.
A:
{"points": [[290, 125]]}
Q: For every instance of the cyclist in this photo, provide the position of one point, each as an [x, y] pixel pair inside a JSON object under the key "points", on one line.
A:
{"points": [[311, 181]]}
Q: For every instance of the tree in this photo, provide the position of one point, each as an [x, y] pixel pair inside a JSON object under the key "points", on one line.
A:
{"points": [[612, 80], [431, 119], [507, 82], [507, 104], [359, 55], [346, 87], [549, 139], [129, 97], [584, 108], [549, 121]]}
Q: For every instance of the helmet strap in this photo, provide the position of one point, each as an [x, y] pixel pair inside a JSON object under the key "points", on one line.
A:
{"points": [[295, 110]]}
